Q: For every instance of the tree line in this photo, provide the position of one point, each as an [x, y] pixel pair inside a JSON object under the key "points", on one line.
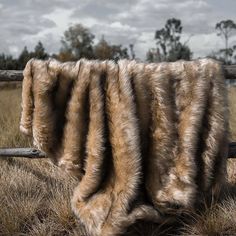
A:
{"points": [[78, 42]]}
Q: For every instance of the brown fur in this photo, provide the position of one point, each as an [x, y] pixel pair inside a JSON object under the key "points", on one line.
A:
{"points": [[132, 133]]}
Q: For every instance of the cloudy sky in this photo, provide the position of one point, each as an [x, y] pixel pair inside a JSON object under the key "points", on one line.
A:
{"points": [[25, 22]]}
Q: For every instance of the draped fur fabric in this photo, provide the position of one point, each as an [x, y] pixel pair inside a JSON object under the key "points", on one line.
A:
{"points": [[142, 139]]}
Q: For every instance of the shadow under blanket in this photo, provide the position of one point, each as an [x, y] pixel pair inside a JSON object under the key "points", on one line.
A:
{"points": [[142, 139]]}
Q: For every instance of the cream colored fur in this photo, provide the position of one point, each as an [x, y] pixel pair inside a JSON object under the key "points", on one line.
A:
{"points": [[142, 139]]}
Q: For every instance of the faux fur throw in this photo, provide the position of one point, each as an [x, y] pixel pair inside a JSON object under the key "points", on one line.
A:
{"points": [[142, 139]]}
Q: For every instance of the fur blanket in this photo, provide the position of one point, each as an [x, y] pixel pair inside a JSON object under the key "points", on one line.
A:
{"points": [[142, 139]]}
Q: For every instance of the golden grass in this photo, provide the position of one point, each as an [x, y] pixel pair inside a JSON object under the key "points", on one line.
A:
{"points": [[35, 194], [232, 112], [9, 119]]}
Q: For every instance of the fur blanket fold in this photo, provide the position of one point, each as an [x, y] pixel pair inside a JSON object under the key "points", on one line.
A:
{"points": [[140, 138]]}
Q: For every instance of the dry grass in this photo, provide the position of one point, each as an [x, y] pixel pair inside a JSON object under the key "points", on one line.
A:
{"points": [[35, 195], [232, 112]]}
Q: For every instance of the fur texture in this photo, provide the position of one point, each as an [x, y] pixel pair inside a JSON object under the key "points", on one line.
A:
{"points": [[142, 139]]}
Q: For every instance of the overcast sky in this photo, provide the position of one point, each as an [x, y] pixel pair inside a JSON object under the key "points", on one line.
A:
{"points": [[25, 22]]}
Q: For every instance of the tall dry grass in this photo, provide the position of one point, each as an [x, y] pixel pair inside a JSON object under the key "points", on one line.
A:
{"points": [[232, 111], [35, 194]]}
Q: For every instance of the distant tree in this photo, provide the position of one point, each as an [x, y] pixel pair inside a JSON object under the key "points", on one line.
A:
{"points": [[173, 29], [181, 51], [226, 28], [118, 52], [169, 47], [39, 52], [77, 42], [103, 50], [7, 62], [65, 55], [162, 42], [23, 58], [153, 55], [24, 55], [132, 53]]}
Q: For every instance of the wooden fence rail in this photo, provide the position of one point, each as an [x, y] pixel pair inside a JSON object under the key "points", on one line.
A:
{"points": [[14, 75], [11, 75], [21, 152]]}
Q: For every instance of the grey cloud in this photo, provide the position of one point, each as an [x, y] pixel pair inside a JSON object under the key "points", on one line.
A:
{"points": [[122, 22], [21, 19], [103, 9]]}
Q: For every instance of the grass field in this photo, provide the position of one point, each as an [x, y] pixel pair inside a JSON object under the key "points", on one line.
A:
{"points": [[35, 195]]}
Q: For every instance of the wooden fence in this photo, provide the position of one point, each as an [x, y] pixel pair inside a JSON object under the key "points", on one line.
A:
{"points": [[14, 75]]}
